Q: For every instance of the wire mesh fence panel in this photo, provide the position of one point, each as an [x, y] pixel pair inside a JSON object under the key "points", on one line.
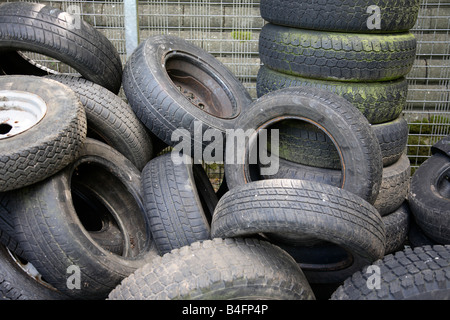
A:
{"points": [[428, 106]]}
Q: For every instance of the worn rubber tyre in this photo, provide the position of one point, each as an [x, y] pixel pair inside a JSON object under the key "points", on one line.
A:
{"points": [[429, 197], [397, 225], [378, 101], [305, 143], [179, 200], [49, 31], [43, 127], [394, 186], [17, 284], [393, 138], [359, 150], [289, 207], [337, 56], [202, 271], [344, 16], [54, 230], [422, 273], [393, 189], [442, 146], [111, 120], [172, 84]]}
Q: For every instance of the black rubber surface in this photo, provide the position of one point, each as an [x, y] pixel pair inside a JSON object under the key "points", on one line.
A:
{"points": [[201, 271], [337, 56]]}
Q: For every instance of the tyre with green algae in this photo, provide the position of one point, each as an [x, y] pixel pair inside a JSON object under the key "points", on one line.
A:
{"points": [[335, 55], [379, 102]]}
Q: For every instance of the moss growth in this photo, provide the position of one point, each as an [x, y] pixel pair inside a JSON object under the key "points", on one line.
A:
{"points": [[241, 35], [421, 138]]}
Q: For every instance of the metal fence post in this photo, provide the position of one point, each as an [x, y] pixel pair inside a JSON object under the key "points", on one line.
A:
{"points": [[131, 25]]}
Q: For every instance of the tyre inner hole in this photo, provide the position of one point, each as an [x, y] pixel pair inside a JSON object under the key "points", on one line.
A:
{"points": [[443, 185], [307, 137], [94, 214], [5, 128], [91, 212], [200, 86]]}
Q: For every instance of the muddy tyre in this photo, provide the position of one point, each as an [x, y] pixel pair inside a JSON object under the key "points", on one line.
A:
{"points": [[344, 16]]}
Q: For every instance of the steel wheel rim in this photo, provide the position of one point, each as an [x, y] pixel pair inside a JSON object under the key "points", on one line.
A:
{"points": [[19, 112]]}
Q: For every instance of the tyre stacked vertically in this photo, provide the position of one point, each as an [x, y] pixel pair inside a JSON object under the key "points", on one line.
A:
{"points": [[359, 50]]}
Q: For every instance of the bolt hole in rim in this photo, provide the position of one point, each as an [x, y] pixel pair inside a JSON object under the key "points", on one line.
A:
{"points": [[200, 85], [19, 111]]}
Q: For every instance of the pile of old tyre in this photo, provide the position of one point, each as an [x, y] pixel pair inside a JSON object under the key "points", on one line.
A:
{"points": [[89, 210]]}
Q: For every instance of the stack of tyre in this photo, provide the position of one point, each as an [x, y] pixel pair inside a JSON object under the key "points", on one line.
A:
{"points": [[361, 51]]}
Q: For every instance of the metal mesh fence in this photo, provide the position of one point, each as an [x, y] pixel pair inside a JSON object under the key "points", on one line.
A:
{"points": [[229, 29], [428, 106]]}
